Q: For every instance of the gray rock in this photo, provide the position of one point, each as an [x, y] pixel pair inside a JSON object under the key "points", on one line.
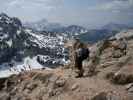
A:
{"points": [[5, 96], [124, 60], [53, 78], [31, 86], [124, 75], [106, 96], [27, 91], [75, 86], [51, 92], [100, 96], [128, 86], [60, 82], [130, 89], [19, 96], [117, 54]]}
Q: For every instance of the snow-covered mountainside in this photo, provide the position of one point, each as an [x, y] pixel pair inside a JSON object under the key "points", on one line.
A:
{"points": [[72, 30], [17, 43], [75, 30], [49, 47]]}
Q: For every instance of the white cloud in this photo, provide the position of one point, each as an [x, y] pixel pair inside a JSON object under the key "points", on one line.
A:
{"points": [[70, 11], [29, 9], [12, 3], [115, 6], [33, 3]]}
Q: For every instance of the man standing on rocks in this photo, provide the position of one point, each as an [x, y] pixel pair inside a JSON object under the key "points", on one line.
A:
{"points": [[79, 53]]}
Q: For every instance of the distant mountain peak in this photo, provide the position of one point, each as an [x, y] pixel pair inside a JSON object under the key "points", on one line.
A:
{"points": [[43, 20], [76, 27], [3, 15], [115, 26], [44, 25]]}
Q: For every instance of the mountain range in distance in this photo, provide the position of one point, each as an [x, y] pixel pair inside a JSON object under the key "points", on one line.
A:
{"points": [[85, 35], [58, 27]]}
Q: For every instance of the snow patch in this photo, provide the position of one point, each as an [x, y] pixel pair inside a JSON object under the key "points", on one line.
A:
{"points": [[1, 28], [18, 32], [27, 64], [9, 43], [4, 36]]}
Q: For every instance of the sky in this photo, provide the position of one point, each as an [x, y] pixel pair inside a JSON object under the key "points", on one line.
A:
{"points": [[87, 13]]}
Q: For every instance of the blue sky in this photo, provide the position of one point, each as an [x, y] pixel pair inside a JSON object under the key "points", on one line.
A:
{"points": [[88, 13]]}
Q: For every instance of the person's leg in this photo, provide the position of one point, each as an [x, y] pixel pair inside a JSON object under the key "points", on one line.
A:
{"points": [[79, 69]]}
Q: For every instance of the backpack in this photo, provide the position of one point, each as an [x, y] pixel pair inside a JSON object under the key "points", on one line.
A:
{"points": [[82, 53]]}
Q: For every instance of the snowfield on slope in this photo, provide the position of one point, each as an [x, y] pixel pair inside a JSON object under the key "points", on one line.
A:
{"points": [[29, 64]]}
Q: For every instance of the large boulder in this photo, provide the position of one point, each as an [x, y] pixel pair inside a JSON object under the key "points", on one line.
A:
{"points": [[106, 96], [5, 96], [124, 75]]}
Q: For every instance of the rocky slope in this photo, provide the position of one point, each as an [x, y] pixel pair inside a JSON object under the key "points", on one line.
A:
{"points": [[108, 76]]}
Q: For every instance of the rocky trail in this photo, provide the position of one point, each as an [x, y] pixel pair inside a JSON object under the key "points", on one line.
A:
{"points": [[59, 85]]}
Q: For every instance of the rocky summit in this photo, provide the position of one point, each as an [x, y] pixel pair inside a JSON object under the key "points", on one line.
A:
{"points": [[108, 76]]}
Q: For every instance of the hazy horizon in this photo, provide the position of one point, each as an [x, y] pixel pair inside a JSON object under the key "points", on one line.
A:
{"points": [[87, 13]]}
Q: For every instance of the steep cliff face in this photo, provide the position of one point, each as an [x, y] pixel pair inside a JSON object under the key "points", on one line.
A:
{"points": [[18, 43], [12, 38]]}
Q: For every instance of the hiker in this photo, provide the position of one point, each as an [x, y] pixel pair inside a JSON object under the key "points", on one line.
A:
{"points": [[80, 53]]}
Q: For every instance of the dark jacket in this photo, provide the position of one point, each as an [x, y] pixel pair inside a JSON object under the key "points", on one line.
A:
{"points": [[82, 53]]}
